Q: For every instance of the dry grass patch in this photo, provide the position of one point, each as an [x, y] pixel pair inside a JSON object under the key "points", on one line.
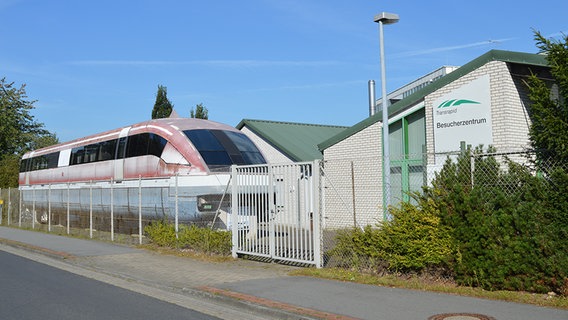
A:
{"points": [[416, 282]]}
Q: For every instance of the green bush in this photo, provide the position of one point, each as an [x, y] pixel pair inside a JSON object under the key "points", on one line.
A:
{"points": [[198, 239], [508, 225], [356, 248], [205, 240], [413, 241], [162, 234], [494, 225]]}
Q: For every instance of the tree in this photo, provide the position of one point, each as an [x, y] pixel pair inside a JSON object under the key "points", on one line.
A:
{"points": [[200, 112], [18, 128], [42, 141], [9, 169], [19, 132], [549, 111], [162, 107]]}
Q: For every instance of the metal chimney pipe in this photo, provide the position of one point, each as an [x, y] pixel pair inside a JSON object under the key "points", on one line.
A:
{"points": [[372, 99]]}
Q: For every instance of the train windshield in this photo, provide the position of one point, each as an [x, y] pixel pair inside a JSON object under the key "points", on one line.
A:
{"points": [[220, 149]]}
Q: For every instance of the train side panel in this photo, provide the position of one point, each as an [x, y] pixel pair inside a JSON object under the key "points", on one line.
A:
{"points": [[154, 169]]}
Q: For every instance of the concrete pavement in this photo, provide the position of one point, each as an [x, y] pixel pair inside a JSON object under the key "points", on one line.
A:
{"points": [[247, 289]]}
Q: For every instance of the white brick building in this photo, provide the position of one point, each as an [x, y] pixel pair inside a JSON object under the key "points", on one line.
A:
{"points": [[483, 102]]}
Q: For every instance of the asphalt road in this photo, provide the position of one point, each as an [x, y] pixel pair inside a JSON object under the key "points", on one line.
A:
{"points": [[188, 283], [31, 290]]}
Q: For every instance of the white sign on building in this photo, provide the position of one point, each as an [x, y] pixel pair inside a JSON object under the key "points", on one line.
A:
{"points": [[463, 115]]}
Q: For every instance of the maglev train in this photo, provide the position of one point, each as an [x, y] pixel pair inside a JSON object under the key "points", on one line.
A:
{"points": [[158, 169]]}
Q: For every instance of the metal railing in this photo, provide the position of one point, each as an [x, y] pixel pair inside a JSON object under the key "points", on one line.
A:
{"points": [[278, 213], [103, 210]]}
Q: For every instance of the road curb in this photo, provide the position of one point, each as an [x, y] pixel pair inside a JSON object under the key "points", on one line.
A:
{"points": [[242, 304], [311, 313], [37, 249]]}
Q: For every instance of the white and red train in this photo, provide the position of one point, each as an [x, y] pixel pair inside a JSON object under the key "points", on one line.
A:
{"points": [[181, 163]]}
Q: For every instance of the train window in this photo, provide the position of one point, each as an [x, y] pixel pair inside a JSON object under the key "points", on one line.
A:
{"points": [[223, 148], [144, 144], [85, 154], [156, 144], [232, 150], [47, 161], [37, 163], [137, 145], [91, 152], [249, 151], [209, 147], [100, 151], [24, 165], [133, 146], [52, 160], [107, 150], [77, 155]]}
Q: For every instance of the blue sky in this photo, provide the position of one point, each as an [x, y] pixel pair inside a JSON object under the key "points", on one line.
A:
{"points": [[96, 65]]}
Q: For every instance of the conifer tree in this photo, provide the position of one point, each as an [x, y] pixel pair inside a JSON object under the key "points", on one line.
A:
{"points": [[162, 107], [549, 108], [200, 112]]}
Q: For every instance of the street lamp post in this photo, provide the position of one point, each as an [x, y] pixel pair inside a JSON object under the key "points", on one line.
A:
{"points": [[385, 18]]}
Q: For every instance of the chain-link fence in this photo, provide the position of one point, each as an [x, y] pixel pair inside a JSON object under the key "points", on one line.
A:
{"points": [[350, 196], [9, 206], [353, 189], [108, 210]]}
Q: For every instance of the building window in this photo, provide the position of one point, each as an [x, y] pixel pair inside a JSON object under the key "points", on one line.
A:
{"points": [[407, 138]]}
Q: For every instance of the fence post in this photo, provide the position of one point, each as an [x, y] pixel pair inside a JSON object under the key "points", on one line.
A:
{"points": [[271, 210], [140, 209], [1, 205], [91, 209], [68, 200], [20, 210], [111, 210], [316, 215], [33, 207], [49, 208], [177, 208], [234, 212], [472, 168], [9, 205], [353, 195], [322, 191]]}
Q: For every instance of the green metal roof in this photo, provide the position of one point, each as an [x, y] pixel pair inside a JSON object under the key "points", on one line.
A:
{"points": [[493, 55], [298, 141]]}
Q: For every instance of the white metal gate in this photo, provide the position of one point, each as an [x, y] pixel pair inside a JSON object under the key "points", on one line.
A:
{"points": [[277, 210]]}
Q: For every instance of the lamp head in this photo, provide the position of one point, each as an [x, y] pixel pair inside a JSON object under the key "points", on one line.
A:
{"points": [[386, 18]]}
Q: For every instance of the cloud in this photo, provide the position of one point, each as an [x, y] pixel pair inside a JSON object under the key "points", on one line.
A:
{"points": [[451, 48], [214, 63]]}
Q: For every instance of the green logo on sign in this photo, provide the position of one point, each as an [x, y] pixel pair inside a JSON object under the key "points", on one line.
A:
{"points": [[456, 102]]}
